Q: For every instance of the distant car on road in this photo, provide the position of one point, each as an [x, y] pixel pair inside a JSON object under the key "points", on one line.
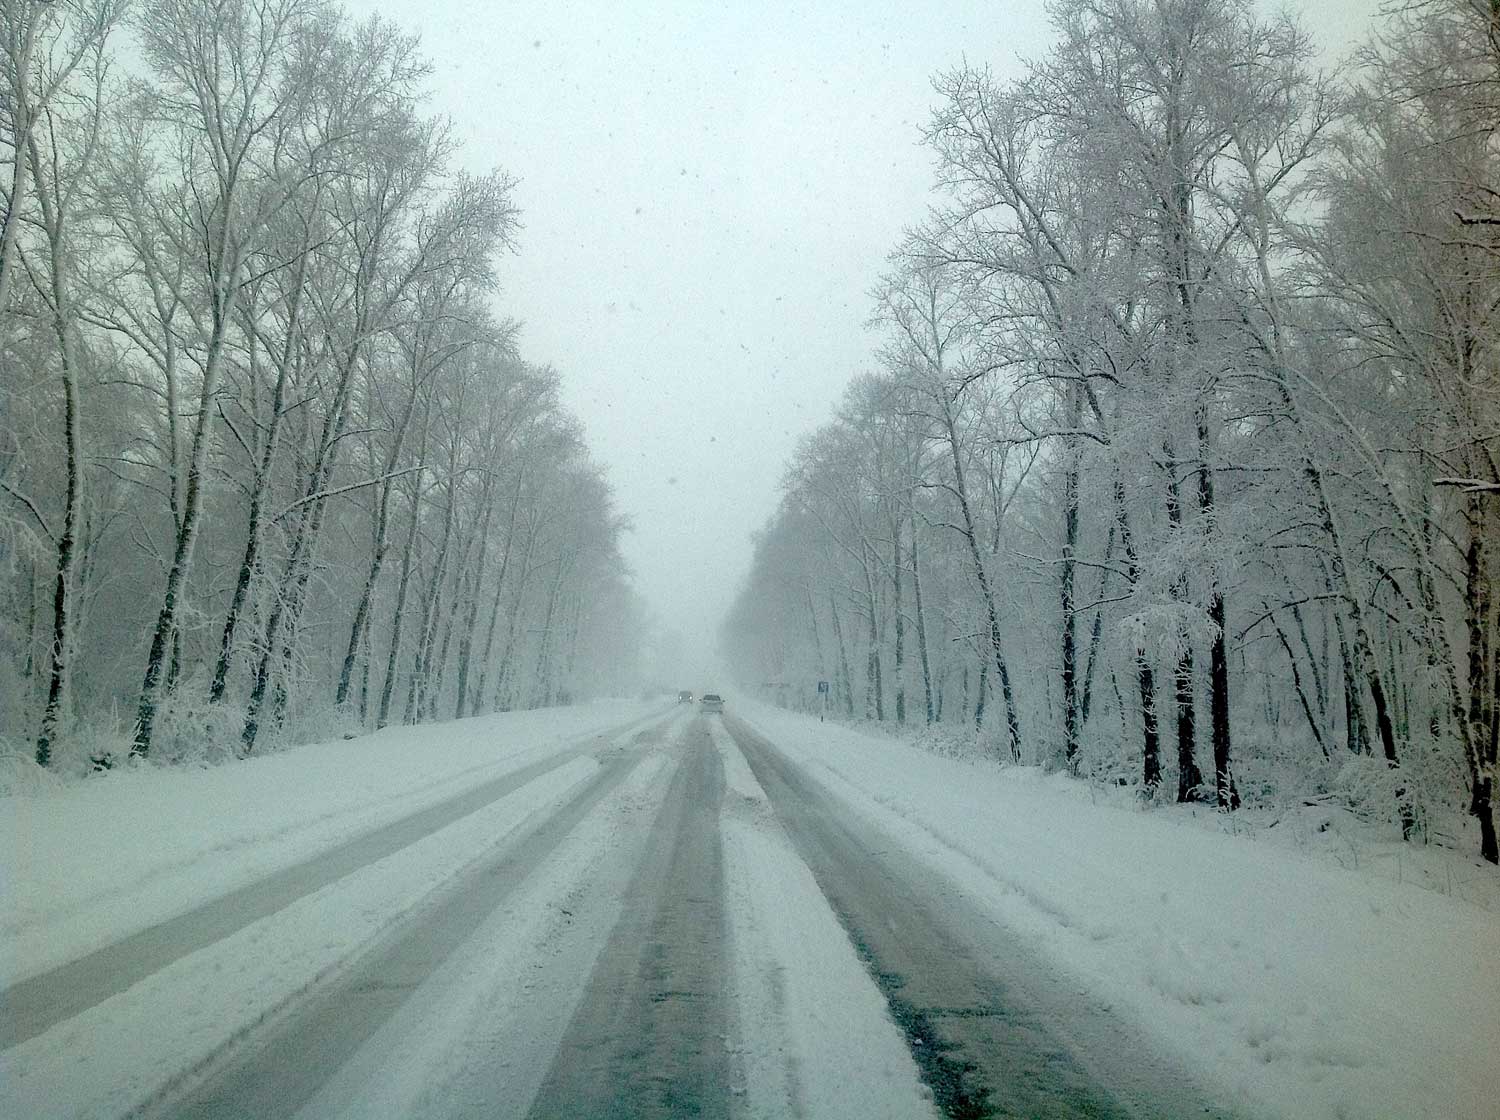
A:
{"points": [[684, 697], [712, 702]]}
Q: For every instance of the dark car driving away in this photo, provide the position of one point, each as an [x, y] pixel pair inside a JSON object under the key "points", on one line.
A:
{"points": [[712, 702]]}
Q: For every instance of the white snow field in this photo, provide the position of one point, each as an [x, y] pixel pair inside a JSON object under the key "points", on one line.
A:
{"points": [[1290, 987]]}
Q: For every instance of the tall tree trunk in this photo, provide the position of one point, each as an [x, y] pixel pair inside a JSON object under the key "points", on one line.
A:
{"points": [[471, 620], [505, 672], [297, 603], [286, 610], [843, 662], [1145, 676], [12, 220], [961, 491], [544, 682], [570, 663], [1182, 341], [1218, 656], [416, 691], [364, 681], [1189, 777], [28, 666], [874, 693], [1356, 733], [1096, 633], [259, 486], [504, 699], [1360, 659], [1313, 721], [1068, 580], [224, 258], [1484, 810], [54, 219], [387, 688], [23, 116], [898, 670], [222, 308], [916, 594], [478, 705], [448, 623], [1477, 600], [1315, 671], [379, 540], [981, 692], [281, 620]]}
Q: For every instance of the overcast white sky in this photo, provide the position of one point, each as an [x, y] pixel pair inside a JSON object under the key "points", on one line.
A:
{"points": [[709, 192]]}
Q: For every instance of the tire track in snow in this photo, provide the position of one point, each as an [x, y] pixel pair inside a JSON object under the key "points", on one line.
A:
{"points": [[274, 1070], [967, 1014], [649, 1037], [813, 1036], [32, 1006]]}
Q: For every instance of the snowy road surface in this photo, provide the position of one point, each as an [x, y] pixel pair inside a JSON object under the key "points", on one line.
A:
{"points": [[622, 910]]}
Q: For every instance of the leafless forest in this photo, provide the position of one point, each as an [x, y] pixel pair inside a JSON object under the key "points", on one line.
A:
{"points": [[1180, 462], [270, 464]]}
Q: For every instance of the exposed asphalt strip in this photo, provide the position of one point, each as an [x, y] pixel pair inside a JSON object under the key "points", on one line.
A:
{"points": [[648, 1038], [34, 1005], [275, 1074], [992, 1031]]}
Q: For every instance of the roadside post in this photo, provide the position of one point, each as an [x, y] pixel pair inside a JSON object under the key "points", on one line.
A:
{"points": [[823, 696]]}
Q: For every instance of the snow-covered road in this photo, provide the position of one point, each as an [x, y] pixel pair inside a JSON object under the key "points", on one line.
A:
{"points": [[636, 910]]}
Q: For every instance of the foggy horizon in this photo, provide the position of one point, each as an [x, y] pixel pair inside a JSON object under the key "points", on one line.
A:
{"points": [[707, 198]]}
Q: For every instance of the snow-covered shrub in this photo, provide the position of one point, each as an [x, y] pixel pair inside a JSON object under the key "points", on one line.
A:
{"points": [[87, 748], [319, 721], [19, 773], [15, 701], [1378, 793], [961, 742], [1117, 767], [79, 749], [1275, 770], [191, 730]]}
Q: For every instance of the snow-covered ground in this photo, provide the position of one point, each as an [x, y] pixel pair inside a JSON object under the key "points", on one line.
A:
{"points": [[131, 849], [1298, 987], [814, 1035], [1290, 985], [485, 1026], [86, 864]]}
